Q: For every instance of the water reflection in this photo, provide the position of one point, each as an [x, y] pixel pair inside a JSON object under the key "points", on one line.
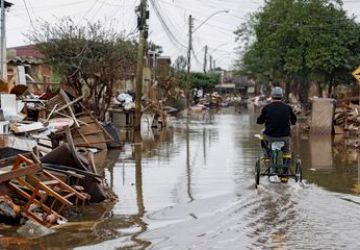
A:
{"points": [[188, 164], [328, 162], [321, 153], [139, 193]]}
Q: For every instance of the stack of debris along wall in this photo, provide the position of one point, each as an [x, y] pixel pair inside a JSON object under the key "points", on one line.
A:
{"points": [[347, 118], [211, 100], [45, 183]]}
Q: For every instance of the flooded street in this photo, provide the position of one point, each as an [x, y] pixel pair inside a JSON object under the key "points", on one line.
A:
{"points": [[196, 191]]}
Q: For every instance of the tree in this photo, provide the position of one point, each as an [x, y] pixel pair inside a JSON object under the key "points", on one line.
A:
{"points": [[204, 81], [180, 64], [90, 57], [297, 41]]}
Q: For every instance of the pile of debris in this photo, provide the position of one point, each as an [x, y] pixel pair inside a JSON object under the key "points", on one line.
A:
{"points": [[46, 184], [154, 112], [259, 101], [346, 118], [212, 100]]}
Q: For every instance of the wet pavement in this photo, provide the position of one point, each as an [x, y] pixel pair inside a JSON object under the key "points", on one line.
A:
{"points": [[192, 187]]}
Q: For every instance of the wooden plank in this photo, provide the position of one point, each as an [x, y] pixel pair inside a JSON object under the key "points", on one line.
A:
{"points": [[92, 144], [50, 191], [20, 172], [67, 116], [90, 128], [51, 113], [97, 140], [64, 185], [86, 133], [16, 128], [60, 168], [86, 119], [68, 104], [5, 162]]}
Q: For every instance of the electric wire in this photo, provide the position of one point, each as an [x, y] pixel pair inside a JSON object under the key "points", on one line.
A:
{"points": [[28, 13], [167, 30]]}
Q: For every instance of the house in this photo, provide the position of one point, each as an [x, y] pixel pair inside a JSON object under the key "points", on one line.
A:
{"points": [[26, 64], [245, 86], [227, 85]]}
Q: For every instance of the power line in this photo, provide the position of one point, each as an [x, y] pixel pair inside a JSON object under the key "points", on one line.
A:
{"points": [[166, 28], [28, 13], [172, 26]]}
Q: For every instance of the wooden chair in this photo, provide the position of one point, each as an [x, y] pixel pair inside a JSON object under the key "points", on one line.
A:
{"points": [[38, 188]]}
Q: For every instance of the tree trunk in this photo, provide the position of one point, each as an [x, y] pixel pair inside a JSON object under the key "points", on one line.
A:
{"points": [[330, 87], [304, 92]]}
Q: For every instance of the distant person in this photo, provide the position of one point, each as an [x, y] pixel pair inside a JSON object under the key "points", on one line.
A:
{"points": [[278, 118]]}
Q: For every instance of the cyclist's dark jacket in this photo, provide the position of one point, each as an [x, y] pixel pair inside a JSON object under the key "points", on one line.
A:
{"points": [[277, 117]]}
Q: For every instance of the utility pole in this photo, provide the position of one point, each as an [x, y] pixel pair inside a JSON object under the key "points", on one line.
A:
{"points": [[205, 59], [189, 61], [211, 63], [143, 15], [214, 64], [3, 68]]}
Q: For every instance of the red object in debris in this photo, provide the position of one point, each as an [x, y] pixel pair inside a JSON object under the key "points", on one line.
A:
{"points": [[47, 96]]}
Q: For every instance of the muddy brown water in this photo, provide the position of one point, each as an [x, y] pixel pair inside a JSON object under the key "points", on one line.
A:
{"points": [[192, 187]]}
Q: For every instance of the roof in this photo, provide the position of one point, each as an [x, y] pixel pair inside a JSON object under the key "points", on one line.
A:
{"points": [[25, 51], [164, 58], [27, 54]]}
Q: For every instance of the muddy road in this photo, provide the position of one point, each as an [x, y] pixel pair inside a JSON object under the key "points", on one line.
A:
{"points": [[192, 187]]}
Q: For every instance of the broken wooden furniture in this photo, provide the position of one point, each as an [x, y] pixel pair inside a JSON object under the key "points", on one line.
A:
{"points": [[87, 132], [61, 105], [64, 158], [44, 194]]}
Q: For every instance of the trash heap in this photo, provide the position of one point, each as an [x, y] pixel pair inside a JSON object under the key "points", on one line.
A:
{"points": [[212, 100], [48, 183], [346, 118], [259, 101], [154, 112]]}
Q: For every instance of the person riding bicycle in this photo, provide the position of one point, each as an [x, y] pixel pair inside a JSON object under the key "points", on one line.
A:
{"points": [[278, 118]]}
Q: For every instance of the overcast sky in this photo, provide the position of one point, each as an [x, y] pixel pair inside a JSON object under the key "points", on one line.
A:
{"points": [[217, 32]]}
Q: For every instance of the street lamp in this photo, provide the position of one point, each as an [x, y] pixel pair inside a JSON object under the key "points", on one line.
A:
{"points": [[191, 31], [218, 12]]}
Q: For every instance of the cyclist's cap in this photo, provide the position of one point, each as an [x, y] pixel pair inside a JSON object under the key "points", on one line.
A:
{"points": [[277, 93]]}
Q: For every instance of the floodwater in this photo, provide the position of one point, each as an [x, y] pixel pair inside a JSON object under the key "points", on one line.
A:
{"points": [[192, 187]]}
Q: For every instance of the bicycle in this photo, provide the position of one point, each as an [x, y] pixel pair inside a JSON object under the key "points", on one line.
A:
{"points": [[277, 164]]}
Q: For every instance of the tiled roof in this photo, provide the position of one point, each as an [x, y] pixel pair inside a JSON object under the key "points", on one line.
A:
{"points": [[25, 51]]}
